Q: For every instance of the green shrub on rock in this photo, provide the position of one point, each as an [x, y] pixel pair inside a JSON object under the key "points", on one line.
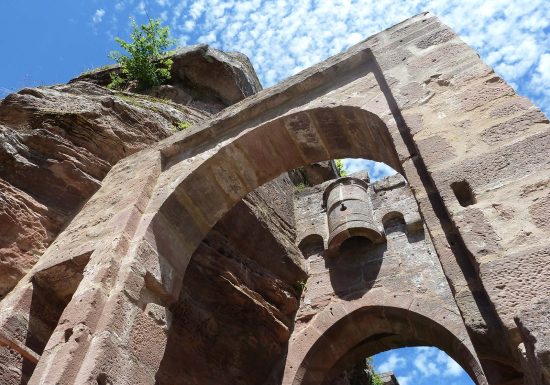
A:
{"points": [[340, 167], [145, 61]]}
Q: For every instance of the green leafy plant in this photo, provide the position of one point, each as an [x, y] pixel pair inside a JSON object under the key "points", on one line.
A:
{"points": [[183, 125], [300, 186], [340, 167], [300, 286], [117, 82], [145, 61], [376, 380]]}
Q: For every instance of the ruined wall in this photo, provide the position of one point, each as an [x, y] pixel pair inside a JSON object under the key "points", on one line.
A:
{"points": [[415, 97], [59, 142], [401, 271]]}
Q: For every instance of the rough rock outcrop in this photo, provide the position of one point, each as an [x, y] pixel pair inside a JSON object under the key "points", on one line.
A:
{"points": [[57, 143], [201, 77]]}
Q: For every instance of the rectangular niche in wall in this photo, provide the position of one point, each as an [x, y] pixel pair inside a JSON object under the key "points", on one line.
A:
{"points": [[463, 193]]}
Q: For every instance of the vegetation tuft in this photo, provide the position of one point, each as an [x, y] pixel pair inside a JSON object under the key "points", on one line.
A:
{"points": [[300, 186], [300, 287], [145, 61], [183, 125], [340, 167]]}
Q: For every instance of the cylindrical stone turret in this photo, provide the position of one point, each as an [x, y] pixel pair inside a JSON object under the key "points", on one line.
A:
{"points": [[349, 211]]}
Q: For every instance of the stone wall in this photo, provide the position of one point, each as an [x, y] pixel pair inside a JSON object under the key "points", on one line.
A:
{"points": [[400, 272], [236, 309]]}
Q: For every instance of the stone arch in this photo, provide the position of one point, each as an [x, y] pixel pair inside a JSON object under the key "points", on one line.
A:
{"points": [[345, 334], [392, 219], [312, 243], [142, 241], [206, 183], [203, 186]]}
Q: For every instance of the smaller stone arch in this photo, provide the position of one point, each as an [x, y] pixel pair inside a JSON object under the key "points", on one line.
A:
{"points": [[311, 244], [346, 332], [393, 220]]}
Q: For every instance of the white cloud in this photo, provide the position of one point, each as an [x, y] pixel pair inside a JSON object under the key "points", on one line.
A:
{"points": [[405, 380], [421, 365], [426, 365], [98, 16], [394, 362], [376, 170], [434, 362], [544, 67], [141, 8], [450, 367], [289, 36]]}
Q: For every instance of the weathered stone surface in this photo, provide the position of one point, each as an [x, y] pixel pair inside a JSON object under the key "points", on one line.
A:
{"points": [[441, 150], [517, 280], [57, 145], [502, 166], [231, 322], [539, 212], [514, 127], [238, 294], [532, 322], [314, 174], [202, 77]]}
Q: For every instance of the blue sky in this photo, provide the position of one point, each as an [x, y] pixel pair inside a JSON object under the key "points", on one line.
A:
{"points": [[47, 42], [421, 366]]}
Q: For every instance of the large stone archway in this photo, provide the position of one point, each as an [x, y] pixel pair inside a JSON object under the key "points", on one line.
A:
{"points": [[399, 97]]}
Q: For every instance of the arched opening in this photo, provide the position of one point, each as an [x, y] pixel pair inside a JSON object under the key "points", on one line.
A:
{"points": [[311, 244], [377, 170], [260, 291], [368, 331], [393, 221], [356, 242]]}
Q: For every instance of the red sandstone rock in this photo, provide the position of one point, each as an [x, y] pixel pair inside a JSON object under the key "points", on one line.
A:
{"points": [[57, 144]]}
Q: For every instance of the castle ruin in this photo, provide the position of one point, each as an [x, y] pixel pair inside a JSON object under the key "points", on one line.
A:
{"points": [[194, 259]]}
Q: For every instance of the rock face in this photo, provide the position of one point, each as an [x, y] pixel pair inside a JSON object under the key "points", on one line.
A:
{"points": [[58, 143], [236, 309], [202, 77]]}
